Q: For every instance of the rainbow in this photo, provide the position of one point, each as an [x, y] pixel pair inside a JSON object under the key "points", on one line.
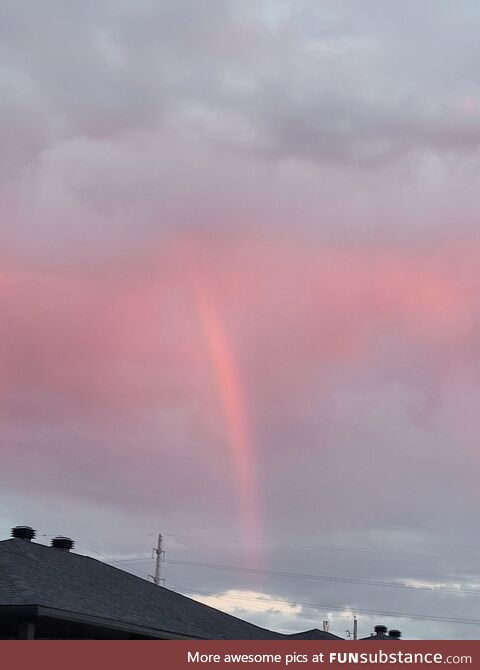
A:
{"points": [[233, 404]]}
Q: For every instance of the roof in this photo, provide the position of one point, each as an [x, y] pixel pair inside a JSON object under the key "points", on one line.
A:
{"points": [[314, 634], [33, 574]]}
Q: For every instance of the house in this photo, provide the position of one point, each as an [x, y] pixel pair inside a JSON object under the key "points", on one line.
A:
{"points": [[50, 592]]}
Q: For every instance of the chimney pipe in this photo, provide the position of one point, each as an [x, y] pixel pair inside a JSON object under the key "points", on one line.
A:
{"points": [[24, 533], [62, 543]]}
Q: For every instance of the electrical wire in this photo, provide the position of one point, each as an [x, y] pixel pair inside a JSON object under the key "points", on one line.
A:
{"points": [[324, 578], [361, 550], [316, 606], [325, 607]]}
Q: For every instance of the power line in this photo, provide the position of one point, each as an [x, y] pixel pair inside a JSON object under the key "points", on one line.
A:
{"points": [[108, 559], [402, 555], [325, 547], [94, 551], [132, 560], [119, 537], [362, 550], [323, 578], [405, 615], [294, 575], [397, 554], [297, 575], [456, 620]]}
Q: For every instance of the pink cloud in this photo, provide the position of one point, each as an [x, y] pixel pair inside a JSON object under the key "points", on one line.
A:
{"points": [[130, 340]]}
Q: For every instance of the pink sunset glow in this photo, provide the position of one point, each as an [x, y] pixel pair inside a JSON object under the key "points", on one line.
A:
{"points": [[144, 336], [239, 291]]}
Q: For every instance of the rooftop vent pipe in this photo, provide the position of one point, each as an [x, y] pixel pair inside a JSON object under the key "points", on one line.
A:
{"points": [[395, 634], [380, 630], [23, 532], [63, 543]]}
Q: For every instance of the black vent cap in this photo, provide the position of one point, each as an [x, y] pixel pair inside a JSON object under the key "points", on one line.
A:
{"points": [[380, 630], [24, 532], [65, 543], [395, 634]]}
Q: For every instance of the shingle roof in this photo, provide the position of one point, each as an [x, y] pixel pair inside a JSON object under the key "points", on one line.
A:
{"points": [[314, 634], [34, 574]]}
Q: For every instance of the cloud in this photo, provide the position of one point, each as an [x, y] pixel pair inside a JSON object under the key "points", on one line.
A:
{"points": [[335, 349], [259, 608], [316, 169]]}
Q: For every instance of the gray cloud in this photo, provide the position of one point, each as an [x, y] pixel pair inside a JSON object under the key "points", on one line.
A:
{"points": [[317, 165]]}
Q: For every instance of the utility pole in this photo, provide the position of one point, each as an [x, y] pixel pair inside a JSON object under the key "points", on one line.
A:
{"points": [[159, 554], [355, 627]]}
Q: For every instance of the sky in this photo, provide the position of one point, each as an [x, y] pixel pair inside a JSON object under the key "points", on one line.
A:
{"points": [[239, 283]]}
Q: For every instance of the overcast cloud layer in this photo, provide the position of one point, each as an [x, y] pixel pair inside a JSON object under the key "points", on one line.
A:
{"points": [[312, 168]]}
